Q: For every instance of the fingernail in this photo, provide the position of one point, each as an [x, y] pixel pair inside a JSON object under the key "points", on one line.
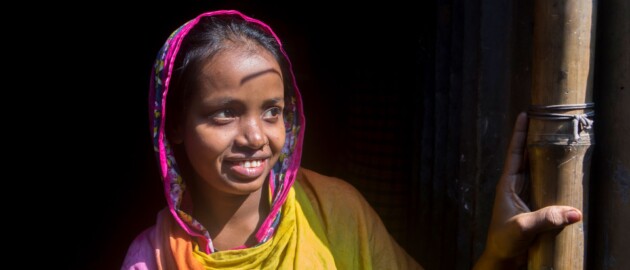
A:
{"points": [[573, 216]]}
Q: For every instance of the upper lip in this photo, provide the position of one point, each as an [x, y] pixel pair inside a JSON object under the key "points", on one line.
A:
{"points": [[241, 158]]}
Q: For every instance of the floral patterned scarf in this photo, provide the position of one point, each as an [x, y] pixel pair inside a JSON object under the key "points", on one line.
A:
{"points": [[283, 174]]}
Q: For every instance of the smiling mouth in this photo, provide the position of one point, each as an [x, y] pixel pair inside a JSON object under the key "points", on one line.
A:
{"points": [[251, 163], [248, 169]]}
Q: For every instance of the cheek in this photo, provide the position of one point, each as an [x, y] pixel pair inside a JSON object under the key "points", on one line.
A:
{"points": [[205, 143], [276, 139]]}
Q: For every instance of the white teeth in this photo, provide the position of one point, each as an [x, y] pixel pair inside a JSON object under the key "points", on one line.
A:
{"points": [[250, 163]]}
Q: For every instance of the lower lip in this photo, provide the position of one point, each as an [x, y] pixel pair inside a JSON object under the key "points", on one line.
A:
{"points": [[249, 173]]}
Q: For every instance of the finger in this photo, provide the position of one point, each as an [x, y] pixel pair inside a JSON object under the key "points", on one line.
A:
{"points": [[548, 218], [514, 160]]}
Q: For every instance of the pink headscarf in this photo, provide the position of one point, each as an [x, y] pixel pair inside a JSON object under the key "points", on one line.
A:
{"points": [[281, 177]]}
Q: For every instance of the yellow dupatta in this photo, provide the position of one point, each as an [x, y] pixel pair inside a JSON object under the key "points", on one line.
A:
{"points": [[299, 242], [326, 224]]}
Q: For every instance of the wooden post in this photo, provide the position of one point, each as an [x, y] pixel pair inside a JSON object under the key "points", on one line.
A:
{"points": [[563, 57]]}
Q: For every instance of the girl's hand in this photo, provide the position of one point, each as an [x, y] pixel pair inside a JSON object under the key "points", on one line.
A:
{"points": [[514, 227]]}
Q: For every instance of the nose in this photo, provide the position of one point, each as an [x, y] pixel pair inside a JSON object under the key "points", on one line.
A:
{"points": [[251, 134]]}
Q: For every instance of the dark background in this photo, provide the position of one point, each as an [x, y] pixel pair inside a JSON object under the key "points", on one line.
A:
{"points": [[412, 105], [356, 64]]}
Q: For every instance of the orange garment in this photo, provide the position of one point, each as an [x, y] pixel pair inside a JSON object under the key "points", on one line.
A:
{"points": [[326, 224]]}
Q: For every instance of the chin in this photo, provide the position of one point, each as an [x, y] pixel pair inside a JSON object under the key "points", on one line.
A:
{"points": [[246, 186]]}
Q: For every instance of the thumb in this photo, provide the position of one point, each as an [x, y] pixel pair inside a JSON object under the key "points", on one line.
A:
{"points": [[548, 218]]}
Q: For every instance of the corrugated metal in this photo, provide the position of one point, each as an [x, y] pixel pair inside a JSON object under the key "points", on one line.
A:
{"points": [[609, 240]]}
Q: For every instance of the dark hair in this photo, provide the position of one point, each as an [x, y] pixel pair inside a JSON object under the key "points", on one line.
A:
{"points": [[208, 37]]}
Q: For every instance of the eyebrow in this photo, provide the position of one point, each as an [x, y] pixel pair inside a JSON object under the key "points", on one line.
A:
{"points": [[227, 101], [273, 101], [254, 75], [221, 102]]}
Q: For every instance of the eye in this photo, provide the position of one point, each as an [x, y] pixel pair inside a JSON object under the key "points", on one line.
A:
{"points": [[272, 114], [223, 116]]}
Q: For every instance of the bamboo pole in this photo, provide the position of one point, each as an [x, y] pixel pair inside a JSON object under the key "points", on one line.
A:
{"points": [[563, 57]]}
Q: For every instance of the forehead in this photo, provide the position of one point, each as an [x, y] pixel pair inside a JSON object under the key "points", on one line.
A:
{"points": [[229, 67], [240, 73]]}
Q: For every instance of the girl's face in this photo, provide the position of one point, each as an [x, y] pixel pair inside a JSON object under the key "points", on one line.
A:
{"points": [[234, 130]]}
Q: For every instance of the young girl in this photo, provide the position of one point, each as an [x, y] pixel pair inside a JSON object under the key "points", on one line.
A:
{"points": [[229, 153]]}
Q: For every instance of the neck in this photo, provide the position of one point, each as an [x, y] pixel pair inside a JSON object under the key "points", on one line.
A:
{"points": [[231, 220]]}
